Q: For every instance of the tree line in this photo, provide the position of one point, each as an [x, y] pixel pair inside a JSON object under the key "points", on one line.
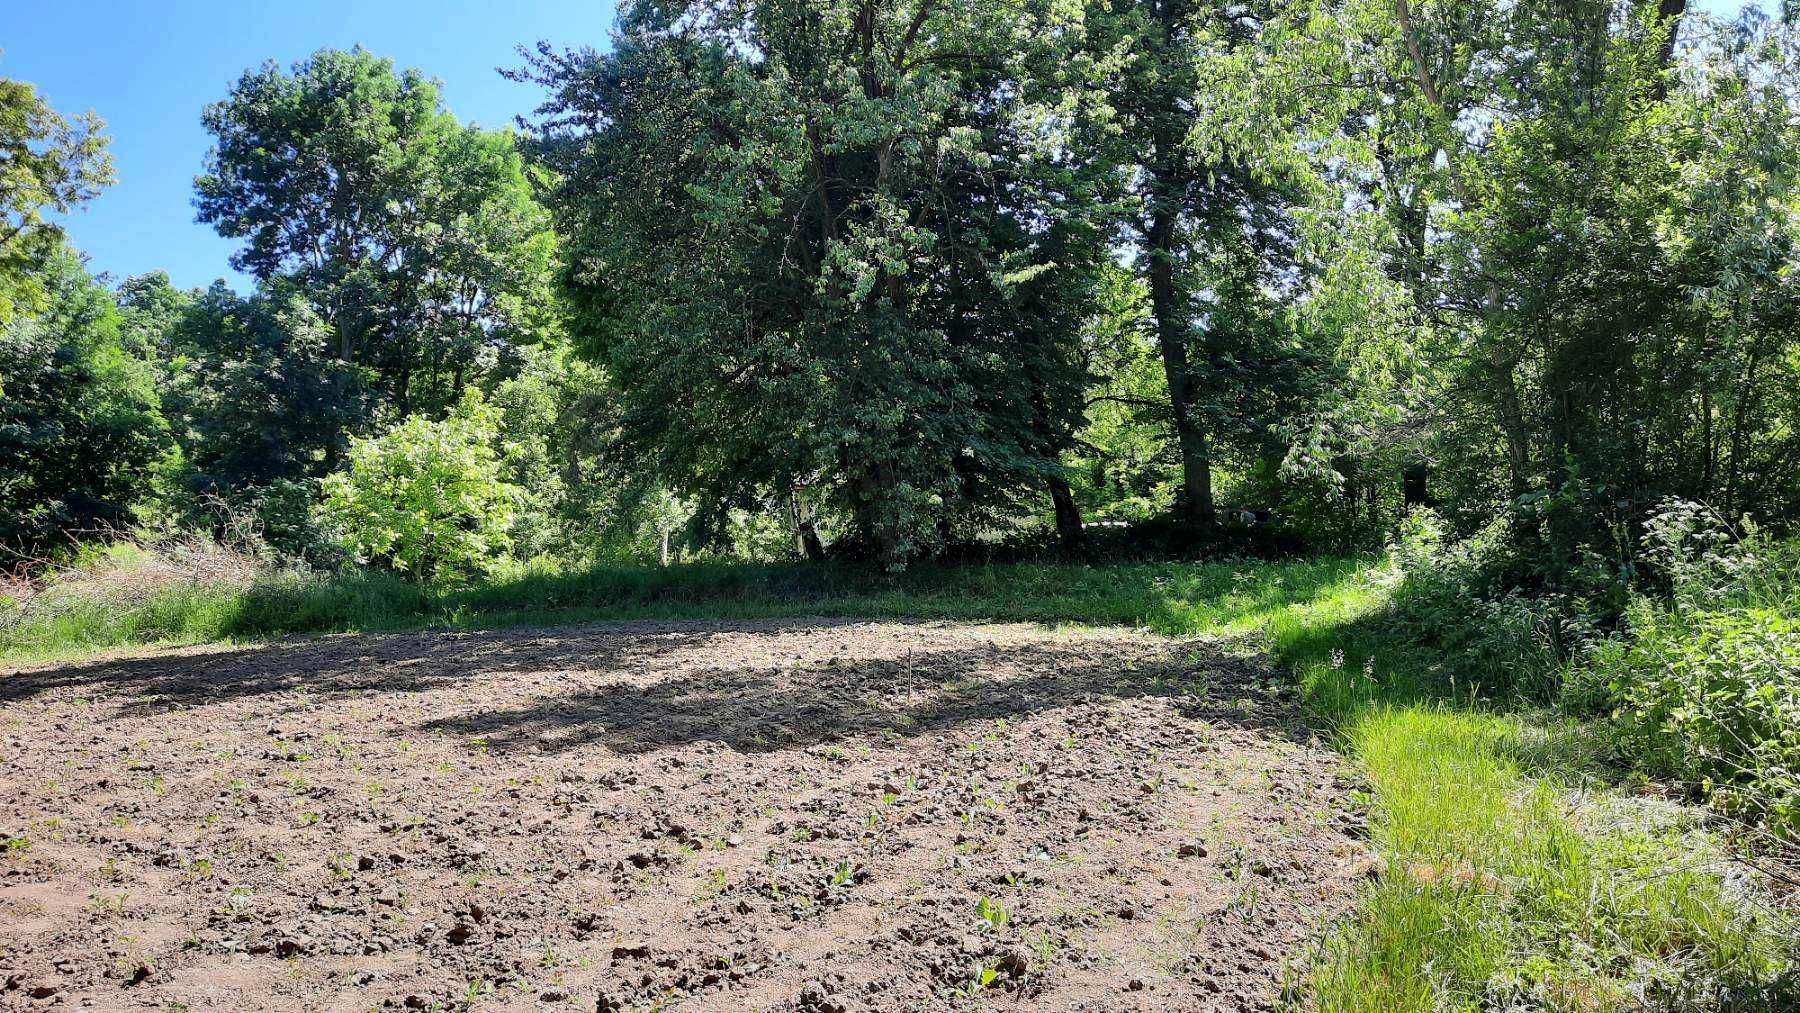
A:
{"points": [[881, 279]]}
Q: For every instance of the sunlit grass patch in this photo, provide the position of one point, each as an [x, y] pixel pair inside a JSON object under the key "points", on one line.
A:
{"points": [[1497, 895], [1223, 597], [1513, 878]]}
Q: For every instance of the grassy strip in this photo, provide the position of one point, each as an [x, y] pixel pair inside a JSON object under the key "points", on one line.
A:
{"points": [[1516, 876], [1502, 891], [1512, 880], [1174, 598]]}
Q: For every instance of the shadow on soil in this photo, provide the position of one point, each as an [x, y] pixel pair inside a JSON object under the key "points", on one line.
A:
{"points": [[643, 687]]}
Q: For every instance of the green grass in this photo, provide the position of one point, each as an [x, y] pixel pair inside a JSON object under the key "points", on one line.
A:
{"points": [[1174, 598], [1518, 875], [1503, 889], [180, 614]]}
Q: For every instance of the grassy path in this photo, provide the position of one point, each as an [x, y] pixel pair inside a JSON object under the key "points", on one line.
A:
{"points": [[1518, 875]]}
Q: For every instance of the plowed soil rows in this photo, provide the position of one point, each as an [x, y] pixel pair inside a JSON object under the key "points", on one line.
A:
{"points": [[795, 816]]}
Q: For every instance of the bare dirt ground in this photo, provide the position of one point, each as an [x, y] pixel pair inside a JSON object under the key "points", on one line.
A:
{"points": [[797, 816]]}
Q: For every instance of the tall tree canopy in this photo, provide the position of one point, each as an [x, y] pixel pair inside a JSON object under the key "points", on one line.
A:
{"points": [[1212, 237], [415, 238], [254, 391], [48, 165], [837, 251], [903, 274]]}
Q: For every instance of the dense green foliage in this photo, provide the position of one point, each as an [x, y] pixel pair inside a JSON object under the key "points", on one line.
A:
{"points": [[1712, 699], [80, 422], [427, 498], [254, 390], [1580, 228], [902, 277], [835, 256], [824, 297], [1705, 681]]}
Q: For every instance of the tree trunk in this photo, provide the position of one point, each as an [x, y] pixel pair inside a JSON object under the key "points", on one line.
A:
{"points": [[1196, 501], [810, 544], [806, 535], [1670, 12], [1168, 170], [1068, 515]]}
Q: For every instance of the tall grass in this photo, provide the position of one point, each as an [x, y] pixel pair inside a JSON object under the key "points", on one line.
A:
{"points": [[1505, 890], [192, 612], [1174, 598], [1518, 875]]}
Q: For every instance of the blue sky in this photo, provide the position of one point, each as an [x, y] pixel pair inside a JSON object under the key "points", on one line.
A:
{"points": [[149, 66]]}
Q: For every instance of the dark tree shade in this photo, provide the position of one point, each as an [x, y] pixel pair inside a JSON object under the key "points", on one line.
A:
{"points": [[79, 420]]}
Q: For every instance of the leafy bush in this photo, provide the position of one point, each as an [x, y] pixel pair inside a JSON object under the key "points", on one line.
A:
{"points": [[1463, 598], [428, 499], [1698, 669], [1713, 698], [1703, 682]]}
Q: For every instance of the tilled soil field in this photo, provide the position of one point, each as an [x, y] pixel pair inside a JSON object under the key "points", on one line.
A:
{"points": [[797, 816]]}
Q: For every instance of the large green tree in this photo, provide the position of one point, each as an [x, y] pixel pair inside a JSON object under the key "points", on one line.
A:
{"points": [[48, 166], [1210, 231], [835, 254], [415, 237]]}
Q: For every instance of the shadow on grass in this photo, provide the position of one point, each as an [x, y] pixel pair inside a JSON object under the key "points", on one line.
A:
{"points": [[1357, 659], [1172, 598]]}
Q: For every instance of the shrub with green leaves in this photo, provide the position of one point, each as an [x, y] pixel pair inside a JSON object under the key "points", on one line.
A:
{"points": [[1495, 641], [1713, 698], [80, 425], [428, 499], [1703, 680]]}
